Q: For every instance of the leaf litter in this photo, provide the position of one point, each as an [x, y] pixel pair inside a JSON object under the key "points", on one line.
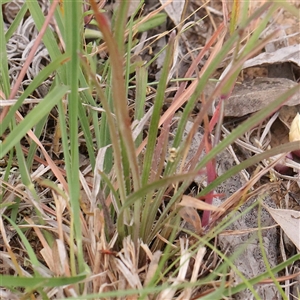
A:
{"points": [[246, 98]]}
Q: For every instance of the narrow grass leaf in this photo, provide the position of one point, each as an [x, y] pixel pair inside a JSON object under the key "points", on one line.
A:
{"points": [[257, 279], [4, 79], [16, 22], [250, 162], [155, 21], [31, 253], [35, 282], [119, 95], [252, 121], [158, 102], [39, 19], [32, 118], [72, 22], [36, 82]]}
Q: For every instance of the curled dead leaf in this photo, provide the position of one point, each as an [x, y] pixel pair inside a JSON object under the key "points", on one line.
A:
{"points": [[198, 204], [191, 216], [295, 129], [289, 221], [294, 134], [174, 9]]}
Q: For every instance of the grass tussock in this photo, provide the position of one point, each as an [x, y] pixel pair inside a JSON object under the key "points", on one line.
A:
{"points": [[104, 193]]}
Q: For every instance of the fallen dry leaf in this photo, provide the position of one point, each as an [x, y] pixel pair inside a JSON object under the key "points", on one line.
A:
{"points": [[191, 216], [282, 55], [254, 95], [174, 10], [152, 266], [288, 113], [289, 221], [189, 201], [295, 129]]}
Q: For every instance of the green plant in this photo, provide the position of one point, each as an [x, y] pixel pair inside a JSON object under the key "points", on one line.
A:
{"points": [[132, 205]]}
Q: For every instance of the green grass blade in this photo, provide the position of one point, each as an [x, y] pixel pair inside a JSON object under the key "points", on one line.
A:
{"points": [[263, 251], [83, 118], [4, 77], [32, 118], [35, 282], [73, 22], [39, 19], [141, 88], [38, 130], [158, 103], [119, 96], [16, 22], [31, 253], [120, 25], [257, 279], [151, 187], [250, 123], [250, 162], [37, 81]]}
